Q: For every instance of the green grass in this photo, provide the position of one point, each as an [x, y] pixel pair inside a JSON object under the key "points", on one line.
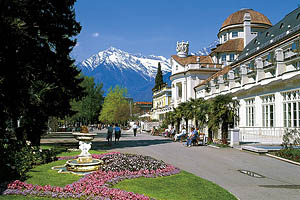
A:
{"points": [[44, 175], [180, 187]]}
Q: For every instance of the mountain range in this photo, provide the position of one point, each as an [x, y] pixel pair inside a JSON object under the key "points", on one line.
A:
{"points": [[135, 72]]}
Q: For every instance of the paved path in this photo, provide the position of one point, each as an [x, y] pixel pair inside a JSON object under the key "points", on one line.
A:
{"points": [[281, 180]]}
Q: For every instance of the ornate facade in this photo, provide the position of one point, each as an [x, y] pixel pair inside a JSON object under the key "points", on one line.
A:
{"points": [[259, 65]]}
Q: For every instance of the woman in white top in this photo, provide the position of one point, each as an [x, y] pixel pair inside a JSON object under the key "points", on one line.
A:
{"points": [[179, 135]]}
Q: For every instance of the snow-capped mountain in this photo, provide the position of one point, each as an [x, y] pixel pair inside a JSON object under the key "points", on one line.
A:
{"points": [[206, 50], [114, 58], [136, 72]]}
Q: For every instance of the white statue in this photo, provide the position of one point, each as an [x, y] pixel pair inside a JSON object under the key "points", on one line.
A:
{"points": [[182, 49], [85, 147]]}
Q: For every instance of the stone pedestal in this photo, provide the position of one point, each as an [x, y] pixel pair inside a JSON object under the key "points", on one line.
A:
{"points": [[234, 137]]}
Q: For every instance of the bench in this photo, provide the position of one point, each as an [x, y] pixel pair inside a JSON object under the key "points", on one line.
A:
{"points": [[200, 138]]}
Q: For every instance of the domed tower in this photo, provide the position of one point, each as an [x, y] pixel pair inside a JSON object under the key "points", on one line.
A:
{"points": [[236, 32]]}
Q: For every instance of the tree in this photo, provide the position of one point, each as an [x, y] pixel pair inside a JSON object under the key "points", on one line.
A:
{"points": [[39, 79], [115, 107], [221, 114], [200, 107], [159, 82], [89, 107]]}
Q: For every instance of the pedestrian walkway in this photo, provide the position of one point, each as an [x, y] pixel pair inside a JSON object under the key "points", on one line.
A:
{"points": [[230, 168]]}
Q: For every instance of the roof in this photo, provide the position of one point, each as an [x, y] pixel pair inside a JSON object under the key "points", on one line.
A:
{"points": [[192, 59], [238, 18], [215, 75], [234, 45], [290, 23], [143, 103]]}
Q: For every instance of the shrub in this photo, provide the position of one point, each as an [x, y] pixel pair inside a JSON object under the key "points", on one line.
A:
{"points": [[17, 158], [289, 153], [291, 137]]}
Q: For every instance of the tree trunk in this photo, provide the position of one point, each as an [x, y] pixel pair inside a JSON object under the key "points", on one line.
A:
{"points": [[186, 125], [210, 135], [224, 132]]}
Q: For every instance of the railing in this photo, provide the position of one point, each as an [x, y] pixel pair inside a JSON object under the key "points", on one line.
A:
{"points": [[267, 135]]}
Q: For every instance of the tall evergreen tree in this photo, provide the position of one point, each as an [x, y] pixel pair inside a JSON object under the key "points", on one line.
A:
{"points": [[39, 78], [158, 78]]}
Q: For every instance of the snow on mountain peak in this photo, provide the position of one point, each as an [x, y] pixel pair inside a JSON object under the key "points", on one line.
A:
{"points": [[116, 58]]}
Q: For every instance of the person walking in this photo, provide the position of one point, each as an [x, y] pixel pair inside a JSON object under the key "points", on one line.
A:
{"points": [[117, 133], [134, 127], [110, 131]]}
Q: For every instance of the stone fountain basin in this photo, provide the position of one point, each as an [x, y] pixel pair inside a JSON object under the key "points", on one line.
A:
{"points": [[84, 136], [77, 166]]}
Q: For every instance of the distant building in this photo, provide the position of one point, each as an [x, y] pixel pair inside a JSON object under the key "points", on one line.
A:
{"points": [[144, 107], [161, 102]]}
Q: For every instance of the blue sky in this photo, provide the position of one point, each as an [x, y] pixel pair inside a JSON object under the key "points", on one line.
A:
{"points": [[154, 26]]}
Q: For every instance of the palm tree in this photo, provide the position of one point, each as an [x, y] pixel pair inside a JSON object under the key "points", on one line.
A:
{"points": [[177, 114], [200, 111], [221, 113], [187, 112]]}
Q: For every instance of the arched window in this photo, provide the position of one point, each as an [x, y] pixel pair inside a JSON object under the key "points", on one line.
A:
{"points": [[281, 25], [267, 34]]}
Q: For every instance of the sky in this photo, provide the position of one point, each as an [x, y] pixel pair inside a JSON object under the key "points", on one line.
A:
{"points": [[152, 27]]}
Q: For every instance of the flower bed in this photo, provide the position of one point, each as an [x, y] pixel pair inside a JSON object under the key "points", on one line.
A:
{"points": [[97, 185]]}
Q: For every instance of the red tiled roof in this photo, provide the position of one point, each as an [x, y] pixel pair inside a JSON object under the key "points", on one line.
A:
{"points": [[192, 59], [219, 73], [142, 102], [234, 45]]}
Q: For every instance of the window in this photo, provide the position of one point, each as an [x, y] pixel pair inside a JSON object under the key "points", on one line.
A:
{"points": [[236, 72], [295, 46], [268, 110], [291, 108], [251, 66], [234, 34], [267, 34], [250, 107], [223, 58], [225, 37], [231, 57], [270, 57], [281, 25]]}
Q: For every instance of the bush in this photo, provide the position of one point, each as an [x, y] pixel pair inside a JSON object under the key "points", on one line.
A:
{"points": [[290, 153], [18, 158], [291, 138]]}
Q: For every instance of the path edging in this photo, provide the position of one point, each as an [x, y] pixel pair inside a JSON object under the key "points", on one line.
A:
{"points": [[283, 159]]}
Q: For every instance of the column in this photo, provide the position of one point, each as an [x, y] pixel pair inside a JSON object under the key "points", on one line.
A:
{"points": [[280, 69], [260, 74]]}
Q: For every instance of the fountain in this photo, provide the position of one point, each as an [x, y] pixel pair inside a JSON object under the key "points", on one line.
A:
{"points": [[84, 163]]}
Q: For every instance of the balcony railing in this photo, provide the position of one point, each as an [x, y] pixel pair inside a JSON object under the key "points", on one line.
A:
{"points": [[267, 135]]}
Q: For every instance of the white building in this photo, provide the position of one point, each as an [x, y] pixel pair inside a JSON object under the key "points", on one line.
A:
{"points": [[265, 77], [187, 72]]}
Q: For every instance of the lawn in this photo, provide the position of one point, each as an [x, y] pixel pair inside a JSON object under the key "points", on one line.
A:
{"points": [[179, 186]]}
